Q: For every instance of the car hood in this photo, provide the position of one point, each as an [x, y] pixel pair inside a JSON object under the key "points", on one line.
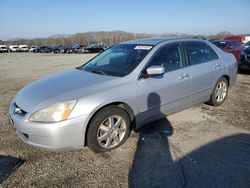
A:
{"points": [[68, 85]]}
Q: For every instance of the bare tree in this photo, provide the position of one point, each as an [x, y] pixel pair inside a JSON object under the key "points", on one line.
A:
{"points": [[103, 37]]}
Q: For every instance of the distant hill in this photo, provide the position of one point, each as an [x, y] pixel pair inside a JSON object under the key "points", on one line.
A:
{"points": [[103, 37]]}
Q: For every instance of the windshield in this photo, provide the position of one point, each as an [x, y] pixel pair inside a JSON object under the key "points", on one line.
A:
{"points": [[118, 60]]}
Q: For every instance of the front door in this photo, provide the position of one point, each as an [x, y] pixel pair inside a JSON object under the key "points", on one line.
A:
{"points": [[168, 93]]}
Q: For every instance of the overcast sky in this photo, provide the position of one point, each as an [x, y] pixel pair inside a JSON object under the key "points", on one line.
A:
{"points": [[32, 19]]}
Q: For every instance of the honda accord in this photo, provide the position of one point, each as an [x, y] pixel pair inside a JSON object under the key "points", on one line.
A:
{"points": [[126, 86]]}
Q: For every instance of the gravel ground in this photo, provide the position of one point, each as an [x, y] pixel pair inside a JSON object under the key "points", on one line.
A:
{"points": [[202, 146]]}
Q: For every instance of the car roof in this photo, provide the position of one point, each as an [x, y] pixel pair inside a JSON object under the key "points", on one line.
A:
{"points": [[155, 41]]}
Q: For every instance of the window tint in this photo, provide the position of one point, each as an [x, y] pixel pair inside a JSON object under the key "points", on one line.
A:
{"points": [[199, 52], [170, 57], [213, 56], [235, 44]]}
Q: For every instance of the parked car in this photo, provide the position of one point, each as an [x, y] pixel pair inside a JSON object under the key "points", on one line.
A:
{"points": [[41, 49], [3, 49], [244, 60], [128, 85], [247, 44], [93, 49], [79, 48], [54, 49], [33, 48], [13, 48], [67, 49], [23, 48], [240, 39], [37, 50], [229, 46]]}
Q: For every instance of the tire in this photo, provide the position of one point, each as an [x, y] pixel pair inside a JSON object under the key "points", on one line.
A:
{"points": [[219, 93], [102, 135]]}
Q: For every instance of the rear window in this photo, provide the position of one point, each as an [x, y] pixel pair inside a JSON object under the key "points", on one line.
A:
{"points": [[220, 44], [199, 52], [235, 44]]}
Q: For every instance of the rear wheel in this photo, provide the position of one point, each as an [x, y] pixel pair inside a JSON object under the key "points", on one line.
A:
{"points": [[219, 93], [109, 129]]}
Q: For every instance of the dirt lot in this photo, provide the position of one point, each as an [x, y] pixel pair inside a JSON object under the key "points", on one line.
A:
{"points": [[203, 146]]}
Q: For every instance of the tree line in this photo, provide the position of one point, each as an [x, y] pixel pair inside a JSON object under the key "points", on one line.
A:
{"points": [[102, 37]]}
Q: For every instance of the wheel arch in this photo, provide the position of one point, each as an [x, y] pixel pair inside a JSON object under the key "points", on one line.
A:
{"points": [[227, 78], [122, 105]]}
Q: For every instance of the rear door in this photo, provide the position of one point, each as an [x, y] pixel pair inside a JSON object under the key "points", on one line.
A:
{"points": [[204, 67]]}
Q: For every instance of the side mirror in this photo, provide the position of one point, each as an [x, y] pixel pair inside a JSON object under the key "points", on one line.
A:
{"points": [[155, 70]]}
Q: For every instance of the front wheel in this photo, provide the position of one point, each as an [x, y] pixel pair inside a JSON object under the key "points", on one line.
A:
{"points": [[219, 93], [109, 129]]}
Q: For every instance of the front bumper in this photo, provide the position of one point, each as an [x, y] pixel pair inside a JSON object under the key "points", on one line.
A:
{"points": [[68, 134]]}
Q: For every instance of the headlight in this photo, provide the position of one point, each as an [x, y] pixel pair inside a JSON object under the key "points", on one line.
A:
{"points": [[54, 113]]}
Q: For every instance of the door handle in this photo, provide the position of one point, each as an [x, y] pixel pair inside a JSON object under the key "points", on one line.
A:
{"points": [[184, 76], [216, 66]]}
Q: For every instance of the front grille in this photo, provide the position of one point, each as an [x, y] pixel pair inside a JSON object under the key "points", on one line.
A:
{"points": [[17, 110]]}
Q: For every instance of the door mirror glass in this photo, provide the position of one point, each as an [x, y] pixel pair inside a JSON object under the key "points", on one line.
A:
{"points": [[155, 70]]}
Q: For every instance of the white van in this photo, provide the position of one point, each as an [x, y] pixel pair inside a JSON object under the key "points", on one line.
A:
{"points": [[13, 48], [23, 48], [3, 49]]}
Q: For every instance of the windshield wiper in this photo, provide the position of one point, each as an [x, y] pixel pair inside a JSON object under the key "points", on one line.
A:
{"points": [[97, 72]]}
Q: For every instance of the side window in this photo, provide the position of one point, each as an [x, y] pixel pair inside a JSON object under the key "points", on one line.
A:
{"points": [[235, 44], [169, 56], [199, 52], [213, 56]]}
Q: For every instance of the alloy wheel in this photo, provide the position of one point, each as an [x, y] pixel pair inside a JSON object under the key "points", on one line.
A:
{"points": [[111, 131]]}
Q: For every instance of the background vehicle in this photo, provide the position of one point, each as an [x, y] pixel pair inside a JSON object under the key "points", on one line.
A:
{"points": [[229, 46], [247, 39], [13, 48], [67, 49], [239, 39], [247, 44], [79, 48], [23, 48], [41, 49], [54, 49], [244, 60], [93, 49], [93, 106], [3, 49], [33, 48]]}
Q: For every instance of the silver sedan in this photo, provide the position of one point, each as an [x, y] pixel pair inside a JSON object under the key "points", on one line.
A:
{"points": [[126, 86]]}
